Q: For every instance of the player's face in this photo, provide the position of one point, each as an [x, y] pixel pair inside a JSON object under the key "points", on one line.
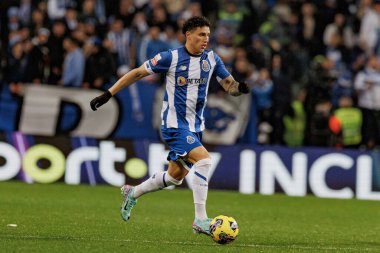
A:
{"points": [[197, 39]]}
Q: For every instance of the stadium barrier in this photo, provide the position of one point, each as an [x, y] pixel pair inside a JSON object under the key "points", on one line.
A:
{"points": [[324, 172]]}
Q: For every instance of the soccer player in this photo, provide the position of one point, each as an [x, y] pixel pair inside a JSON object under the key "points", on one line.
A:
{"points": [[188, 72]]}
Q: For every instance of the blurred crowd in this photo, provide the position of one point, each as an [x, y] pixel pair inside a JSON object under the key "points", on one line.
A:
{"points": [[313, 66]]}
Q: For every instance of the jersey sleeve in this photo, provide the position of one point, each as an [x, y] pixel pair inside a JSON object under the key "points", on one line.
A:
{"points": [[220, 70], [159, 63]]}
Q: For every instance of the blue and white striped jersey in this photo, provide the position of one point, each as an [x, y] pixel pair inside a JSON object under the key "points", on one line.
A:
{"points": [[187, 80]]}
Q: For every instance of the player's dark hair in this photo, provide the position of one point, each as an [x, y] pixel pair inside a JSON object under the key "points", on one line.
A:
{"points": [[194, 22]]}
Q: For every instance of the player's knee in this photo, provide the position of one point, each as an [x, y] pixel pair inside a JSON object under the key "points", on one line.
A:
{"points": [[204, 163], [202, 168], [172, 180]]}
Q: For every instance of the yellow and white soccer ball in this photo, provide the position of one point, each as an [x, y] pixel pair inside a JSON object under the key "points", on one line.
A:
{"points": [[224, 229]]}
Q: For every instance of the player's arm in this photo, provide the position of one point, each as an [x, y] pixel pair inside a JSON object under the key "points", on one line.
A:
{"points": [[226, 80], [131, 77], [234, 88]]}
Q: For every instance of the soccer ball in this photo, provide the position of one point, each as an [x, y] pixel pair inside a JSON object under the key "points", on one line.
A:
{"points": [[224, 229]]}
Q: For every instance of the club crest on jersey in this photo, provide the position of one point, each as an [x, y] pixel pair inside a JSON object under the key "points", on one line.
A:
{"points": [[190, 139], [205, 66], [181, 80], [155, 59]]}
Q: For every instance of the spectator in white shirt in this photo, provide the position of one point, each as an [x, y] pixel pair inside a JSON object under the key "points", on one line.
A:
{"points": [[367, 83], [369, 35]]}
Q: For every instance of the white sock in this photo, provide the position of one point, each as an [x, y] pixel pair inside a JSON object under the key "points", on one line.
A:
{"points": [[156, 182], [200, 187]]}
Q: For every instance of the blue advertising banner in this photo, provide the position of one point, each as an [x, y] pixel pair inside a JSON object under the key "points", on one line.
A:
{"points": [[328, 173]]}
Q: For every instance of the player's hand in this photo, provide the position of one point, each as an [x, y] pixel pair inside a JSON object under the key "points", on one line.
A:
{"points": [[243, 88], [100, 100]]}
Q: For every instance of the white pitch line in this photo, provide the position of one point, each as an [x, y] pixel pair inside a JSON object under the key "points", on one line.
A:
{"points": [[236, 245]]}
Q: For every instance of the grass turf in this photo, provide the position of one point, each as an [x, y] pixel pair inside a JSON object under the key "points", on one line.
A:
{"points": [[63, 218]]}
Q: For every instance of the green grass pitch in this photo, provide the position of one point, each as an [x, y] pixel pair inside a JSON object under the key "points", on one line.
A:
{"points": [[63, 218]]}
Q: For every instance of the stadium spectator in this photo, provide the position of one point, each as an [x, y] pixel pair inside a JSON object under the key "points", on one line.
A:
{"points": [[317, 129], [343, 86], [321, 78], [308, 25], [224, 45], [282, 10], [346, 124], [126, 12], [42, 6], [56, 50], [273, 34], [39, 59], [282, 97], [98, 59], [295, 121], [242, 69], [361, 8], [160, 18], [149, 8], [257, 52], [367, 84], [25, 11], [193, 9], [339, 27], [151, 45], [14, 23], [100, 11], [74, 64], [140, 25], [56, 9], [121, 43], [88, 12], [39, 21], [71, 19], [140, 3], [339, 39], [90, 28], [249, 24], [17, 69], [230, 16], [369, 37], [172, 37], [24, 34], [175, 8], [262, 90], [80, 34]]}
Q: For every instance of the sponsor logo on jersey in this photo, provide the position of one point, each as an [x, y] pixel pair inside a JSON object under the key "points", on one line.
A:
{"points": [[182, 80], [196, 80], [155, 59], [183, 68], [205, 66], [190, 139]]}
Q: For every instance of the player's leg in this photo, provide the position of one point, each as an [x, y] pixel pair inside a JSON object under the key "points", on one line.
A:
{"points": [[160, 180], [201, 161], [177, 171]]}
